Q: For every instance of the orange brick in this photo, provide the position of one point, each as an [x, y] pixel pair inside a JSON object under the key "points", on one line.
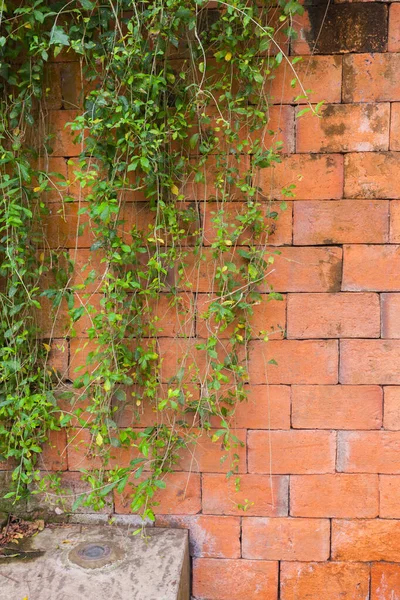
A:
{"points": [[371, 77], [395, 222], [339, 28], [369, 361], [316, 177], [211, 457], [62, 144], [320, 75], [371, 268], [389, 496], [209, 537], [336, 407], [336, 495], [394, 28], [57, 359], [82, 452], [369, 452], [395, 126], [390, 315], [391, 413], [279, 129], [198, 272], [291, 452], [215, 579], [180, 497], [335, 580], [279, 228], [181, 354], [72, 87], [212, 172], [308, 362], [63, 227], [54, 455], [268, 318], [52, 321], [366, 540], [341, 222], [371, 175], [333, 316], [263, 495], [266, 407], [304, 269], [89, 270], [56, 170], [285, 539], [345, 128], [52, 87], [385, 580]]}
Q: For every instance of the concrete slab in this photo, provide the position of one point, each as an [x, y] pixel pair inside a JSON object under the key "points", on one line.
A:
{"points": [[77, 562]]}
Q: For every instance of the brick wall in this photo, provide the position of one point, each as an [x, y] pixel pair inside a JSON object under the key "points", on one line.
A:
{"points": [[321, 462]]}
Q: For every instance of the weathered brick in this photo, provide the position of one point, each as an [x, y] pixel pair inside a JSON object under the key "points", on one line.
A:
{"points": [[390, 304], [208, 456], [264, 495], [341, 222], [307, 362], [285, 539], [215, 579], [291, 452], [369, 361], [371, 268], [182, 496], [52, 87], [391, 413], [333, 316], [64, 227], [62, 144], [54, 455], [369, 452], [326, 182], [181, 353], [366, 540], [210, 188], [279, 129], [266, 407], [333, 29], [335, 580], [336, 407], [395, 125], [209, 537], [371, 77], [320, 75], [57, 359], [335, 495], [56, 170], [394, 28], [345, 128], [385, 580], [389, 496], [371, 175], [395, 222]]}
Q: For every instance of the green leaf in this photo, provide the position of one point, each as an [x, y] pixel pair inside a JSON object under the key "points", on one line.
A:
{"points": [[58, 37]]}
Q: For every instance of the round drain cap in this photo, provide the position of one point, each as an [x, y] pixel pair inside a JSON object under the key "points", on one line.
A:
{"points": [[95, 555], [94, 551]]}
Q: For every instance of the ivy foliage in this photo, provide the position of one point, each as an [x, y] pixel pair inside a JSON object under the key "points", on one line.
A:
{"points": [[172, 121]]}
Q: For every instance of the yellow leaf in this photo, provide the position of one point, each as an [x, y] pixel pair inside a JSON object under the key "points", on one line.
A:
{"points": [[99, 439], [36, 189], [174, 190], [41, 257], [228, 56], [47, 347], [228, 243]]}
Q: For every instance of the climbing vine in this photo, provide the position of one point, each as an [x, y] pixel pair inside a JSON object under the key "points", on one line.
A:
{"points": [[171, 118]]}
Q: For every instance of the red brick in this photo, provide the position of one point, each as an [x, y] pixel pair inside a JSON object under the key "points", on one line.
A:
{"points": [[320, 75], [57, 359], [83, 452], [394, 28], [54, 455], [344, 128], [395, 222], [333, 316], [395, 126], [52, 87], [268, 318], [391, 413], [266, 407], [215, 579], [305, 270], [52, 321], [371, 78], [182, 496], [62, 144], [56, 170], [390, 315], [341, 222], [279, 228], [371, 175], [180, 353], [333, 580], [338, 495], [264, 495], [63, 227], [208, 456], [336, 407], [285, 539], [325, 183], [366, 540], [389, 496], [208, 189], [369, 361], [371, 268], [291, 452], [198, 272], [385, 580], [299, 362], [279, 129], [209, 537], [89, 270], [369, 452]]}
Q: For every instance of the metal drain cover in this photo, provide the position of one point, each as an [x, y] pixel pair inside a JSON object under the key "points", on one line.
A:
{"points": [[95, 555]]}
